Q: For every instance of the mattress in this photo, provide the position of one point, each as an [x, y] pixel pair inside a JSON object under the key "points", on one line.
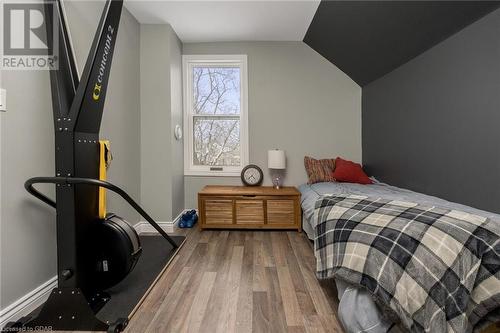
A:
{"points": [[353, 300], [310, 193]]}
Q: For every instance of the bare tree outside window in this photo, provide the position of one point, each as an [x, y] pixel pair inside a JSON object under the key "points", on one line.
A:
{"points": [[216, 116]]}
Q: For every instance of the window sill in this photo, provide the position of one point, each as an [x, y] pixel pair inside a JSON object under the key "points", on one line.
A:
{"points": [[212, 173]]}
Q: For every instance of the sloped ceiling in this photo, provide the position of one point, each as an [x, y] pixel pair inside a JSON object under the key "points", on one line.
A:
{"points": [[368, 39]]}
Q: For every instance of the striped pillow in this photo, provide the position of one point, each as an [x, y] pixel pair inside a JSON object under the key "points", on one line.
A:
{"points": [[319, 170]]}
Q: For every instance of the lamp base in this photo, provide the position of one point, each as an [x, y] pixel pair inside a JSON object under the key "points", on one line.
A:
{"points": [[277, 182]]}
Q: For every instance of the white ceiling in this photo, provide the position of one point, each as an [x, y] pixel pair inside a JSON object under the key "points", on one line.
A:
{"points": [[236, 20]]}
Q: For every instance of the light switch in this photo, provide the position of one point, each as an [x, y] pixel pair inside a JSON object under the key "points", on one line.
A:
{"points": [[3, 100]]}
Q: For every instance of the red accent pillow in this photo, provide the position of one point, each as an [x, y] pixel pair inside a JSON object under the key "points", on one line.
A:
{"points": [[349, 172]]}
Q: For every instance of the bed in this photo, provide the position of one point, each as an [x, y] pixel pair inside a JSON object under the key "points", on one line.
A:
{"points": [[354, 300]]}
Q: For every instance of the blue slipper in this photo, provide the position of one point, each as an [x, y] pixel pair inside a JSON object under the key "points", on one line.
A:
{"points": [[192, 221], [188, 219]]}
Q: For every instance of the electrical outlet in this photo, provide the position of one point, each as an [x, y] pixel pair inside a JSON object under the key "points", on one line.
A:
{"points": [[3, 100]]}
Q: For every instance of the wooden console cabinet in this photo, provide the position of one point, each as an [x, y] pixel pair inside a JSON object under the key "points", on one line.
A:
{"points": [[240, 207]]}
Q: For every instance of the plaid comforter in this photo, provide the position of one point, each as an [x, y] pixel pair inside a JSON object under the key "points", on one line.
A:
{"points": [[438, 270]]}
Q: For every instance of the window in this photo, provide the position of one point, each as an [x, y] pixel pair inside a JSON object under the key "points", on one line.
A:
{"points": [[215, 114]]}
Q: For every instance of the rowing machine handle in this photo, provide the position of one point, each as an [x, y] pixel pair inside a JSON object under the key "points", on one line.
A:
{"points": [[28, 185]]}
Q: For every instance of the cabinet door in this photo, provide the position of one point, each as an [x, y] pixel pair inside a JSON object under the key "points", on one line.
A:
{"points": [[249, 212], [281, 211], [218, 211]]}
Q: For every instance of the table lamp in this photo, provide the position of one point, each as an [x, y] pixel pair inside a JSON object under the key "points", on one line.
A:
{"points": [[276, 160]]}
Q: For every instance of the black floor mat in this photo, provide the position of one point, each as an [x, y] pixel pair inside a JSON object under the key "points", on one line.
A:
{"points": [[156, 253]]}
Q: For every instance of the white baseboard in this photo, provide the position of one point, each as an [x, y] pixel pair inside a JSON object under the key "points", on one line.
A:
{"points": [[143, 227], [29, 302]]}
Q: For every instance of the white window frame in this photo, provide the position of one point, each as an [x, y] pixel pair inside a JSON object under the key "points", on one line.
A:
{"points": [[188, 61]]}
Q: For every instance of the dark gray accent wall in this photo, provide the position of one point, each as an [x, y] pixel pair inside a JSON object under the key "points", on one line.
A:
{"points": [[368, 39], [433, 124]]}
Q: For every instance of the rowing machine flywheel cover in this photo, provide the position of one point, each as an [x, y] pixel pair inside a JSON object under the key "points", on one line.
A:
{"points": [[117, 249]]}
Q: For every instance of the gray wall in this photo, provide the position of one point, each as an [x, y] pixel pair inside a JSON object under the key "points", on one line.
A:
{"points": [[432, 124], [27, 225], [177, 154], [155, 122], [298, 101], [162, 186]]}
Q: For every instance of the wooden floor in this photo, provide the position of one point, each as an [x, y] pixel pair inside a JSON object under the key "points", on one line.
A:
{"points": [[240, 281]]}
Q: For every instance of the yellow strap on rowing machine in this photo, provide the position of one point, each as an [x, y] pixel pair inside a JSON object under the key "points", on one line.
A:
{"points": [[104, 162]]}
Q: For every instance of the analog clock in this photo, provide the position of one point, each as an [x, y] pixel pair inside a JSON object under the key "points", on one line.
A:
{"points": [[252, 175]]}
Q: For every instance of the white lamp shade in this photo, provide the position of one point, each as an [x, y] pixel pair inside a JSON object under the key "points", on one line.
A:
{"points": [[276, 159]]}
